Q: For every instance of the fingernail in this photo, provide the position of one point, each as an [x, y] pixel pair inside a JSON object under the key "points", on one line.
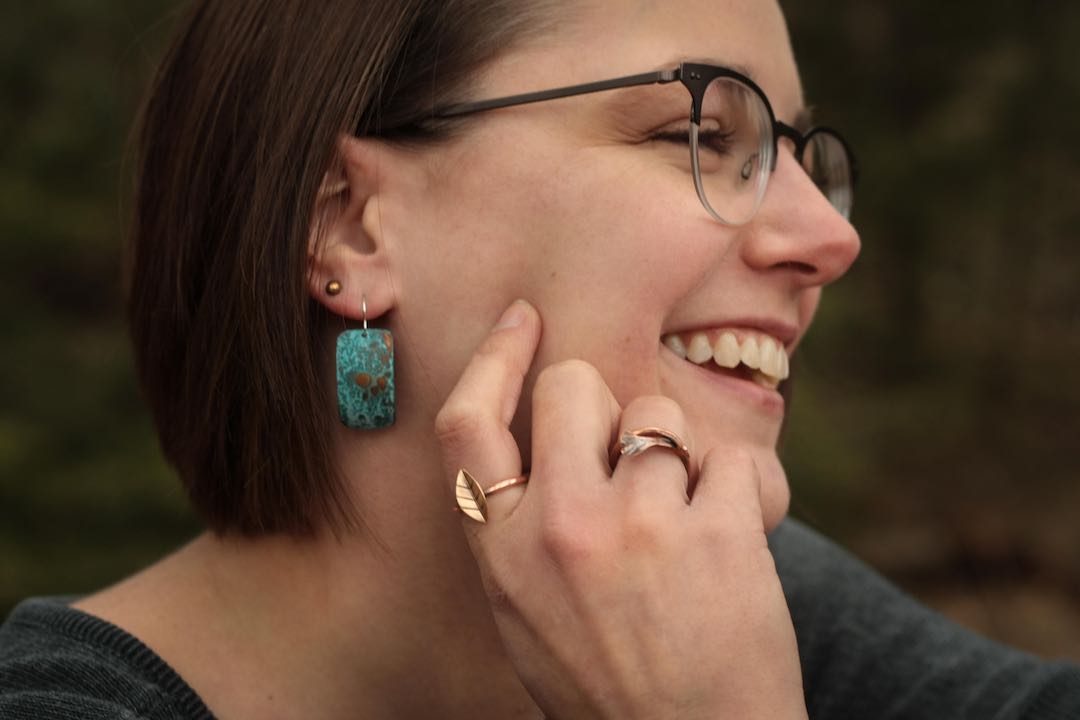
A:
{"points": [[513, 316]]}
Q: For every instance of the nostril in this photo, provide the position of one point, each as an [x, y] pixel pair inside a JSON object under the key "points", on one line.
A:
{"points": [[800, 267]]}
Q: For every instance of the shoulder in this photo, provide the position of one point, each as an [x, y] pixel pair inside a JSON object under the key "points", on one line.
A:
{"points": [[58, 662], [870, 650]]}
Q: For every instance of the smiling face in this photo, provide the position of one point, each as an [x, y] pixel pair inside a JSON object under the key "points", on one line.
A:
{"points": [[583, 207]]}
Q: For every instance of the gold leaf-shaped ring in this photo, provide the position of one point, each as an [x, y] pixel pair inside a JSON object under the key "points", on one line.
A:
{"points": [[472, 499]]}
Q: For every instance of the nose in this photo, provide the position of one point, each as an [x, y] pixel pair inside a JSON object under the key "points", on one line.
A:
{"points": [[797, 230]]}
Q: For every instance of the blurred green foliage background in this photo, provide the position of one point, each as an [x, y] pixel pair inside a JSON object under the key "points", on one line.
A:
{"points": [[934, 424]]}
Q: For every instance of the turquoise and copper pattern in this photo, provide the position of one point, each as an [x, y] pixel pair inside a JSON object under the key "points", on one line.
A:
{"points": [[365, 378]]}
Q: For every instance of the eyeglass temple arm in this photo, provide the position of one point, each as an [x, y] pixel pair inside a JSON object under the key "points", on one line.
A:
{"points": [[658, 77]]}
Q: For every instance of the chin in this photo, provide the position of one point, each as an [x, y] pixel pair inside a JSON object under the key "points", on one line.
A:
{"points": [[723, 411]]}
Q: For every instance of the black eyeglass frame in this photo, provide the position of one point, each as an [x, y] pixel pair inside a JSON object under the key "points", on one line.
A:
{"points": [[696, 77]]}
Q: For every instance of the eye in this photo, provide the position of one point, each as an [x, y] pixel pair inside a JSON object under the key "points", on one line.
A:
{"points": [[715, 139], [674, 137], [674, 133]]}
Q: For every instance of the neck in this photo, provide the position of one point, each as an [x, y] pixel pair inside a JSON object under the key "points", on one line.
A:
{"points": [[393, 623]]}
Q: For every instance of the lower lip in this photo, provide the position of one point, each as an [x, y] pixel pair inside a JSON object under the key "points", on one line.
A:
{"points": [[750, 392]]}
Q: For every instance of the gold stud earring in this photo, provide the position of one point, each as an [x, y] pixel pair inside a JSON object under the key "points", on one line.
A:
{"points": [[333, 288]]}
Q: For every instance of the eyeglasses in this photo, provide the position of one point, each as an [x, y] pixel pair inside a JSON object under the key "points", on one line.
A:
{"points": [[733, 136]]}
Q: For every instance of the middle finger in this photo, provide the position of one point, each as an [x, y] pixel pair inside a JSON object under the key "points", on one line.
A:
{"points": [[574, 420]]}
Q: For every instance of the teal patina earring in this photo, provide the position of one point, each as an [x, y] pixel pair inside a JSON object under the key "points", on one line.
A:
{"points": [[365, 375]]}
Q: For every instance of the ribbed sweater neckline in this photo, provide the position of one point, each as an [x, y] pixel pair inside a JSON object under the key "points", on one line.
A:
{"points": [[55, 615]]}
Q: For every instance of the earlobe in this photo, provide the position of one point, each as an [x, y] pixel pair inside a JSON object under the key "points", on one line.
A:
{"points": [[347, 256]]}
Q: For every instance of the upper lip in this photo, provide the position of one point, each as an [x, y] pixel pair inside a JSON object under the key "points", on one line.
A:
{"points": [[786, 333]]}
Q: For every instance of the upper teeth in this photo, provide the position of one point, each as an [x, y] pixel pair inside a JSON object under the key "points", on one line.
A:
{"points": [[756, 350]]}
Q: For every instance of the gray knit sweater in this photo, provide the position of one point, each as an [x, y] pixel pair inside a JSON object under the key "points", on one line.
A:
{"points": [[868, 652]]}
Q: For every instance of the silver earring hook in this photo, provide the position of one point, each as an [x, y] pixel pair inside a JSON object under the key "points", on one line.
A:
{"points": [[363, 305]]}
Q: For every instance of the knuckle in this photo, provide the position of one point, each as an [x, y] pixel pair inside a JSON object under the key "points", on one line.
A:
{"points": [[458, 425], [493, 347], [566, 545], [746, 470], [734, 461], [738, 457], [500, 596], [736, 478], [717, 531], [742, 458], [644, 528], [657, 404]]}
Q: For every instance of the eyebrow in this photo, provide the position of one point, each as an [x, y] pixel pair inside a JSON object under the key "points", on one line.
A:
{"points": [[640, 99], [804, 116], [737, 67], [632, 101]]}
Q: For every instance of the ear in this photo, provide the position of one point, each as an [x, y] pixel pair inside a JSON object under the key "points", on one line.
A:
{"points": [[347, 245]]}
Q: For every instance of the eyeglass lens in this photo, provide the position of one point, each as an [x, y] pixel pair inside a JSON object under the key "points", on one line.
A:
{"points": [[732, 153], [827, 162]]}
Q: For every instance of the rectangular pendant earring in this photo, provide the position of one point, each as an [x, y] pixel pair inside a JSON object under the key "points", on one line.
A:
{"points": [[365, 377]]}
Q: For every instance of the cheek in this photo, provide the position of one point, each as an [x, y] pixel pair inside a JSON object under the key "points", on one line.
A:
{"points": [[573, 221], [615, 228], [616, 253], [602, 243]]}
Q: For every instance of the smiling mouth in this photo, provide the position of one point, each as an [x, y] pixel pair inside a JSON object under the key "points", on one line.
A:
{"points": [[745, 354]]}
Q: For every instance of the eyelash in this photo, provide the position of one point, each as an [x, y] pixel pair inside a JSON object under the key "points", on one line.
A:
{"points": [[706, 138]]}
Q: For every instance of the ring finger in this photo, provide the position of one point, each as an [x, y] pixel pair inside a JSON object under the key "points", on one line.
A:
{"points": [[648, 463]]}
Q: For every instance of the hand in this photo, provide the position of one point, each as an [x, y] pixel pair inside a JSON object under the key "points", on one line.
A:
{"points": [[617, 595]]}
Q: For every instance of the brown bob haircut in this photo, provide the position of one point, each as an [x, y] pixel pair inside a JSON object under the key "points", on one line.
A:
{"points": [[240, 125]]}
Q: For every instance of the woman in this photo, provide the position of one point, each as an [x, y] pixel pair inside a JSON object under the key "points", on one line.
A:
{"points": [[312, 175]]}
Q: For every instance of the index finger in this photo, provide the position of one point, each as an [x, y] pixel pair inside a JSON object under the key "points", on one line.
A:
{"points": [[473, 424]]}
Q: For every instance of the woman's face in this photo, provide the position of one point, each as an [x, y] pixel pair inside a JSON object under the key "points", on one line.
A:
{"points": [[571, 205]]}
